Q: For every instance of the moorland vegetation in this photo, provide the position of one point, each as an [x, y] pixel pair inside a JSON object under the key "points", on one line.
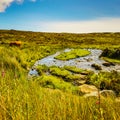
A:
{"points": [[55, 96]]}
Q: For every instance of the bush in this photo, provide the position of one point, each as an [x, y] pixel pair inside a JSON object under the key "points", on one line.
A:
{"points": [[113, 53]]}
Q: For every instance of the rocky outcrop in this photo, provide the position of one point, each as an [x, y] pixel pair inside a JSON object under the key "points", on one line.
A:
{"points": [[103, 94], [88, 88]]}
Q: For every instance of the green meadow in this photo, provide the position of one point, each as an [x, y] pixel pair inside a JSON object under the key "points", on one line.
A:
{"points": [[54, 96]]}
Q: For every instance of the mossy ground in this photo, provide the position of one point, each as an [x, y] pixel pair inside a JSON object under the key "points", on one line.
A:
{"points": [[75, 53]]}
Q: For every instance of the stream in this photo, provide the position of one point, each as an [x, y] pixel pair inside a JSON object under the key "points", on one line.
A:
{"points": [[81, 62]]}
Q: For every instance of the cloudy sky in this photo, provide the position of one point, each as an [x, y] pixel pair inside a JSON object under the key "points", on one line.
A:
{"points": [[76, 16]]}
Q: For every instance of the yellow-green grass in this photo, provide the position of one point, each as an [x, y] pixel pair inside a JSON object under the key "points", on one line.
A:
{"points": [[74, 69], [74, 53], [53, 82], [63, 40], [111, 60], [66, 75], [23, 99]]}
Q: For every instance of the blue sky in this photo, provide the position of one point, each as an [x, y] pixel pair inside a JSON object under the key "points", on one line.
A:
{"points": [[78, 16]]}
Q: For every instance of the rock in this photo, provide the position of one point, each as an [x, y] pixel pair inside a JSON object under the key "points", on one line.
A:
{"points": [[33, 72], [108, 93], [54, 61], [96, 66], [117, 99], [108, 64], [92, 94], [79, 82], [84, 73], [82, 77], [88, 88], [113, 64], [89, 59]]}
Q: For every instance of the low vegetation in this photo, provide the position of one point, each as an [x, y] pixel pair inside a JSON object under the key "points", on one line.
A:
{"points": [[106, 81], [111, 55], [75, 53], [77, 70], [52, 95], [111, 60], [55, 82]]}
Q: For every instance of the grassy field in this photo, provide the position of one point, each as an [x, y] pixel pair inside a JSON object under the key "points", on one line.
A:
{"points": [[53, 97]]}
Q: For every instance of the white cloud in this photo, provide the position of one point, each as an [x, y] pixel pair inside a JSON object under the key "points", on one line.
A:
{"points": [[98, 25], [33, 0], [6, 3]]}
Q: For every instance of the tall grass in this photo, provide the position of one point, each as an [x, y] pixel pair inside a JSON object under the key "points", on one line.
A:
{"points": [[22, 99]]}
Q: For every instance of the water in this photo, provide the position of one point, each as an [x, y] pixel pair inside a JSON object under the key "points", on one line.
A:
{"points": [[81, 62]]}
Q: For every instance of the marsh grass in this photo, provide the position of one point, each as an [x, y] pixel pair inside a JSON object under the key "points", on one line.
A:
{"points": [[74, 69], [22, 99], [26, 99], [111, 60], [66, 75], [53, 82], [74, 53]]}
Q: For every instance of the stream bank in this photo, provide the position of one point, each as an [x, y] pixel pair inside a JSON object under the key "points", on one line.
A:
{"points": [[87, 62]]}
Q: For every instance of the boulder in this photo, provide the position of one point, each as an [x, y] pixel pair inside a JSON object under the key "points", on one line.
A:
{"points": [[103, 94], [96, 66], [88, 88], [108, 93], [108, 64], [89, 59], [92, 94]]}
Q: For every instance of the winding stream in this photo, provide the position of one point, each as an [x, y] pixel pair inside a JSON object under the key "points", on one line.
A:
{"points": [[81, 62]]}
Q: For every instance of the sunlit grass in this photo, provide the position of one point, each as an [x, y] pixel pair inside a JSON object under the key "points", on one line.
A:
{"points": [[25, 99], [49, 97], [111, 60], [75, 53]]}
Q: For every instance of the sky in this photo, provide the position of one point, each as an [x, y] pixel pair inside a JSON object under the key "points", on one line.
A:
{"points": [[71, 16]]}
